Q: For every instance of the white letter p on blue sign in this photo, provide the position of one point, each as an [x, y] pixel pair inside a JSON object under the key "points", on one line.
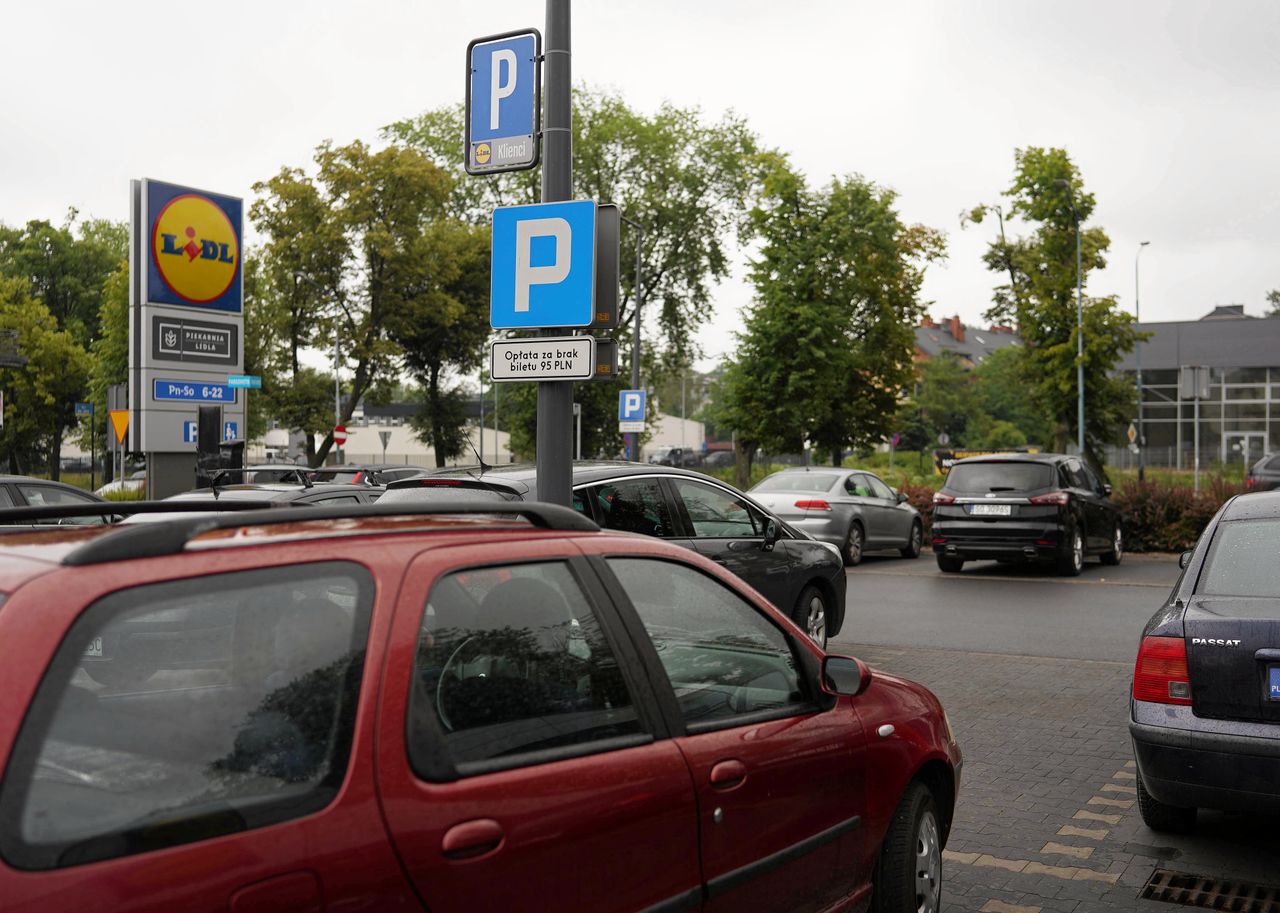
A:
{"points": [[631, 404], [552, 274]]}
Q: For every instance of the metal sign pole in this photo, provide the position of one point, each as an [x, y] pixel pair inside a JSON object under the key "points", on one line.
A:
{"points": [[555, 398]]}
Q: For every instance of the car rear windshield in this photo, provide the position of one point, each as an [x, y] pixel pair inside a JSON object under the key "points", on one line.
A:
{"points": [[799, 481], [980, 478], [1242, 560]]}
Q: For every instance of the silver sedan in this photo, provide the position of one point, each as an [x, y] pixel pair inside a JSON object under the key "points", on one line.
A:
{"points": [[850, 508]]}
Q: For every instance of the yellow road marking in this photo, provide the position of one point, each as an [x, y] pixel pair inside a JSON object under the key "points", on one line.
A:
{"points": [[1062, 849], [999, 906], [1115, 803], [1083, 815]]}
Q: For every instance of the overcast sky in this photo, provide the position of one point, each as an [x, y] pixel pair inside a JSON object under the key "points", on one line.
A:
{"points": [[1170, 109]]}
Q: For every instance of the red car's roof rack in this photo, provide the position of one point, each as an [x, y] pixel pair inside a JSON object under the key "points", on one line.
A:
{"points": [[147, 540]]}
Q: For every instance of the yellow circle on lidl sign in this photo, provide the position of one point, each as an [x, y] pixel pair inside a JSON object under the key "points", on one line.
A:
{"points": [[195, 248], [482, 153]]}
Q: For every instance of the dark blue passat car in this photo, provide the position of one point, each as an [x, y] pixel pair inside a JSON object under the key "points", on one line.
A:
{"points": [[1205, 717]]}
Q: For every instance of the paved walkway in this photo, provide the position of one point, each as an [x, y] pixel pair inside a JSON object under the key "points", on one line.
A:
{"points": [[1047, 817]]}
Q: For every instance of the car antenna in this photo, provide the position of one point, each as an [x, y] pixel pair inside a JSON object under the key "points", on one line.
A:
{"points": [[479, 459]]}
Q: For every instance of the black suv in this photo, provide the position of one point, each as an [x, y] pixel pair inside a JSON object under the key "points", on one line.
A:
{"points": [[1033, 507], [1264, 475]]}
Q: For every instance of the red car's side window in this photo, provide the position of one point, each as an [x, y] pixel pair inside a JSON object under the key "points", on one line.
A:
{"points": [[724, 659], [512, 660], [182, 711]]}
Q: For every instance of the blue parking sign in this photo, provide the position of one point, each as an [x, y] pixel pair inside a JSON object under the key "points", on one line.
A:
{"points": [[503, 89], [631, 405], [543, 266]]}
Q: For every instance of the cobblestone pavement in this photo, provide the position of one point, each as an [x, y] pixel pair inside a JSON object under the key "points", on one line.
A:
{"points": [[1047, 817]]}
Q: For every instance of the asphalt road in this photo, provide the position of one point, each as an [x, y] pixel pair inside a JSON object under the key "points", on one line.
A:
{"points": [[1018, 609]]}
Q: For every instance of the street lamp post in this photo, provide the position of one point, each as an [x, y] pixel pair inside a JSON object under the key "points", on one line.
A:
{"points": [[1137, 354], [633, 445], [1075, 215]]}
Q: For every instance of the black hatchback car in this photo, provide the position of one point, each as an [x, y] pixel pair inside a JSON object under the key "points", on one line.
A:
{"points": [[801, 576], [1025, 507], [1205, 710]]}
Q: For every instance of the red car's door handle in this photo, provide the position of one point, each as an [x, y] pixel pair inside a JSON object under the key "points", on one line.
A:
{"points": [[471, 839], [728, 774]]}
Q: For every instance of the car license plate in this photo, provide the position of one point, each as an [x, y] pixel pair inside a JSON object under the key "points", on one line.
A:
{"points": [[990, 510], [94, 648], [1273, 683]]}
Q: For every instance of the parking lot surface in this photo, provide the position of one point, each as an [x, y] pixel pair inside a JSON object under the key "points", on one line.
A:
{"points": [[1047, 818]]}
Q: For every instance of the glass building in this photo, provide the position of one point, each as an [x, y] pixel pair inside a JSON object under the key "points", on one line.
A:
{"points": [[1240, 419]]}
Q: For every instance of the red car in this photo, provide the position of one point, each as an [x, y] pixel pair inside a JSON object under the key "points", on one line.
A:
{"points": [[457, 707]]}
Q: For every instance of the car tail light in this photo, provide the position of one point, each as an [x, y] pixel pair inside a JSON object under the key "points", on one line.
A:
{"points": [[940, 498], [1161, 674], [357, 477], [1059, 498], [441, 483], [1250, 481], [815, 504]]}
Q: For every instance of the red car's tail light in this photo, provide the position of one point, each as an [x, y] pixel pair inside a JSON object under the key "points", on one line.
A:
{"points": [[1161, 674], [814, 504], [940, 498], [1059, 498], [1250, 481]]}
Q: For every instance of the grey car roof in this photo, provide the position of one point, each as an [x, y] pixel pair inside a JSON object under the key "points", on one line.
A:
{"points": [[1261, 505]]}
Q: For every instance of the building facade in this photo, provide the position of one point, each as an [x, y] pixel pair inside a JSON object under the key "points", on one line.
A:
{"points": [[1240, 419]]}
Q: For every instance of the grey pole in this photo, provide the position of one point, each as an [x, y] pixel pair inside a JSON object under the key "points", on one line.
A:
{"points": [[481, 410], [1079, 341], [337, 397], [1137, 354], [633, 438], [555, 398]]}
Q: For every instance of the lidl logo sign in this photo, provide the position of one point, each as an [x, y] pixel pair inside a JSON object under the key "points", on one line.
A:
{"points": [[194, 256]]}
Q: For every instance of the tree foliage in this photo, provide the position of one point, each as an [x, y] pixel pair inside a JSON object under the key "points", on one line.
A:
{"points": [[684, 177], [828, 342], [40, 396], [366, 250], [1047, 195]]}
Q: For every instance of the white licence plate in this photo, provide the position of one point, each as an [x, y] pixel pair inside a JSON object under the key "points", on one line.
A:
{"points": [[990, 510]]}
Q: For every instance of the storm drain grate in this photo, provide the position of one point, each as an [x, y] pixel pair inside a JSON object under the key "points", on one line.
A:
{"points": [[1211, 893]]}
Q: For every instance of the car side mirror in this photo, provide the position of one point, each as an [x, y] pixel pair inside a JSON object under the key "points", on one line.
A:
{"points": [[902, 497], [772, 533], [844, 675], [1184, 559]]}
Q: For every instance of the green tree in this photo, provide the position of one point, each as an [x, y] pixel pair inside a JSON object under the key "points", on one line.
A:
{"points": [[1048, 196], [684, 177], [66, 267], [943, 399], [344, 256], [441, 325], [1001, 391], [1273, 303], [40, 396], [828, 342]]}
